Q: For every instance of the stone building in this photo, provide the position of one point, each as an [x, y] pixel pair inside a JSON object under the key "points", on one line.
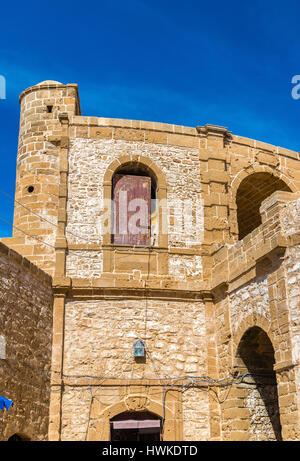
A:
{"points": [[181, 240], [25, 346]]}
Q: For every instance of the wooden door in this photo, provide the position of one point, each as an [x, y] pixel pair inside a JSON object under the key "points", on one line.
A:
{"points": [[131, 210]]}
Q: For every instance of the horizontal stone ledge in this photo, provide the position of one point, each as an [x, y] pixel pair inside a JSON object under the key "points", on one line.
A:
{"points": [[116, 280], [242, 279], [78, 290], [135, 293], [293, 239], [137, 135], [246, 270], [131, 250], [240, 140], [133, 124], [285, 365], [278, 199]]}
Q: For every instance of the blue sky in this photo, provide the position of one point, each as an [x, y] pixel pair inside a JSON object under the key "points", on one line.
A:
{"points": [[189, 63]]}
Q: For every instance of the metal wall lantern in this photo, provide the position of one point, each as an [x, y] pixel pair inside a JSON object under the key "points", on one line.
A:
{"points": [[139, 348]]}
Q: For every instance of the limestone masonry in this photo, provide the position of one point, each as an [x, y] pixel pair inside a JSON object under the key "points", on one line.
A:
{"points": [[207, 279]]}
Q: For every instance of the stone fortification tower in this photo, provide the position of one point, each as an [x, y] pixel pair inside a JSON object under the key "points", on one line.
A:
{"points": [[43, 107]]}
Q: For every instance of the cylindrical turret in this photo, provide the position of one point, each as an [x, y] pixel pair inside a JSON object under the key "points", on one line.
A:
{"points": [[37, 177]]}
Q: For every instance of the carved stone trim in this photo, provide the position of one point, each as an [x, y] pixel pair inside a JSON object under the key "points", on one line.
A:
{"points": [[137, 402]]}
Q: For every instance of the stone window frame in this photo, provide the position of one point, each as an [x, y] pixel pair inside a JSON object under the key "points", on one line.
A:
{"points": [[100, 429], [236, 182], [161, 193]]}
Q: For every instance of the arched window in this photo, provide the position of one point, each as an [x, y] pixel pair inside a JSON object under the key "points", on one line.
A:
{"points": [[134, 214], [251, 193], [2, 348]]}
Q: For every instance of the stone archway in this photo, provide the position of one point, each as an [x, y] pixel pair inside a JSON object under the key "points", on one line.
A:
{"points": [[240, 195], [252, 191], [19, 437], [138, 426], [99, 428], [258, 396]]}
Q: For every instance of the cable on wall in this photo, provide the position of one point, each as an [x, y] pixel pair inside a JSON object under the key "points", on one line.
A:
{"points": [[134, 248]]}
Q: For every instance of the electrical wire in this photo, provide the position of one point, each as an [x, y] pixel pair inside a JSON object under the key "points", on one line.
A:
{"points": [[28, 235], [43, 218], [223, 382], [193, 381], [133, 248], [202, 381], [89, 415]]}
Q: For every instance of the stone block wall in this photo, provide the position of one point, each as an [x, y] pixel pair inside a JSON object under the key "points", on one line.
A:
{"points": [[202, 288], [258, 296], [98, 349], [26, 326], [86, 192]]}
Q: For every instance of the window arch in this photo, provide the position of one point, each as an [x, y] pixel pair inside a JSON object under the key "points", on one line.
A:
{"points": [[100, 430], [134, 213], [133, 174]]}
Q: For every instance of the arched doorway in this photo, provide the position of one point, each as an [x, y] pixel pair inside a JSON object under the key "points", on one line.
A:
{"points": [[255, 356], [252, 191], [18, 438], [136, 426]]}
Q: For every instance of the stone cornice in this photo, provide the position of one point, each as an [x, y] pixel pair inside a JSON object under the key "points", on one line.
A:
{"points": [[99, 247], [213, 130], [79, 120], [234, 275], [120, 287]]}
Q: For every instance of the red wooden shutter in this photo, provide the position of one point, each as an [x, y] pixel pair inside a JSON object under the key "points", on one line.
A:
{"points": [[132, 207]]}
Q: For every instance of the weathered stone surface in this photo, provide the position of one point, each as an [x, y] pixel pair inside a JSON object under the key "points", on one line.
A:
{"points": [[215, 295], [26, 328]]}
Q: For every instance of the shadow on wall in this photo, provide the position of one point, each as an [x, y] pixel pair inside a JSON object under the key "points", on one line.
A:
{"points": [[18, 438], [255, 355]]}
